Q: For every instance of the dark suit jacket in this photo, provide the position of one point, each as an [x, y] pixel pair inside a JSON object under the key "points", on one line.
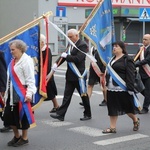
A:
{"points": [[146, 60], [3, 73], [125, 68], [78, 58]]}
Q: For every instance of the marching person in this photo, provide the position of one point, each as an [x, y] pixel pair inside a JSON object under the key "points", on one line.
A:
{"points": [[19, 93], [144, 69], [95, 78], [3, 80], [51, 86], [120, 79], [75, 76]]}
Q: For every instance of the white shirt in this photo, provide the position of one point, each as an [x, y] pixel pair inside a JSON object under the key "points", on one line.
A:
{"points": [[24, 69]]}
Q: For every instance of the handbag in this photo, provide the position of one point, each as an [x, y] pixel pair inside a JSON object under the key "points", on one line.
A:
{"points": [[138, 84]]}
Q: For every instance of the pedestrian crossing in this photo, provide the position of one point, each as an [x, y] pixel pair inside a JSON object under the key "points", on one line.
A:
{"points": [[77, 94], [106, 139], [120, 139], [94, 132]]}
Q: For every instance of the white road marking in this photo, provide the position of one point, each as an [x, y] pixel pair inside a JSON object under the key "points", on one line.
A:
{"points": [[56, 123], [121, 139], [61, 70], [87, 131], [97, 92], [59, 96], [57, 75], [76, 94], [94, 92]]}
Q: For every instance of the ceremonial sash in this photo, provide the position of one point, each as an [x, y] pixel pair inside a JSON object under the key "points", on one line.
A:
{"points": [[122, 84], [24, 107], [99, 73], [96, 69], [82, 83], [1, 103], [146, 67]]}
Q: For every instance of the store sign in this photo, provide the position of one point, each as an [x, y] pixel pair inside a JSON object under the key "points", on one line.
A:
{"points": [[91, 3], [129, 12], [118, 12]]}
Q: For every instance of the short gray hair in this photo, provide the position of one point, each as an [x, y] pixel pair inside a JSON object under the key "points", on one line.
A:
{"points": [[73, 31], [42, 38], [21, 45]]}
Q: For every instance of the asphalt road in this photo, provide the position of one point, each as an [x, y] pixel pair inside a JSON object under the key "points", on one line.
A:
{"points": [[73, 134]]}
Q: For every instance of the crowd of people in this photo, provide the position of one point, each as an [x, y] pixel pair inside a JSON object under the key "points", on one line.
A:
{"points": [[17, 86]]}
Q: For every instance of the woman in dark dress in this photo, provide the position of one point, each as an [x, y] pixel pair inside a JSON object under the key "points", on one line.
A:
{"points": [[51, 86], [120, 101], [94, 78]]}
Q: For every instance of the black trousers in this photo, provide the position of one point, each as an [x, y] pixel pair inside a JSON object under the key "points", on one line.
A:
{"points": [[69, 89], [146, 93]]}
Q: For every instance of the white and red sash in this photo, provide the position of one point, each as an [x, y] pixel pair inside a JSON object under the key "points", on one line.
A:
{"points": [[24, 107], [146, 67]]}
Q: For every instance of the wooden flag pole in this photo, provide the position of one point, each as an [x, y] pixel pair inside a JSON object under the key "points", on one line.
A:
{"points": [[23, 28], [138, 54], [91, 15], [80, 30]]}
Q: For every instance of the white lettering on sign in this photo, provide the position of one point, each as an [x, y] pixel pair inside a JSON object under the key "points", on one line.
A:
{"points": [[137, 3]]}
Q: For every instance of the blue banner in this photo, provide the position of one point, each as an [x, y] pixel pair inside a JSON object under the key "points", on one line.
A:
{"points": [[100, 30], [31, 38]]}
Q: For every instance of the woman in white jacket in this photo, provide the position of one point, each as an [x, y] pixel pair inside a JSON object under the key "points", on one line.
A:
{"points": [[19, 92]]}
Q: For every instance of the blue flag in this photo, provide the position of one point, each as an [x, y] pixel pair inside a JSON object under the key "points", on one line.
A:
{"points": [[31, 37], [100, 29]]}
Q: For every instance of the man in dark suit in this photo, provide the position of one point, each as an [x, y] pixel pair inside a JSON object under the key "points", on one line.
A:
{"points": [[144, 64], [3, 79], [75, 61]]}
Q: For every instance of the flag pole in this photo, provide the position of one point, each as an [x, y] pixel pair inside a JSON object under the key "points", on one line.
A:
{"points": [[138, 54], [80, 30], [25, 27], [91, 15]]}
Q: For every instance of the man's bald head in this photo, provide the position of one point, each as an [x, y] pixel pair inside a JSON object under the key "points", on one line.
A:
{"points": [[146, 39]]}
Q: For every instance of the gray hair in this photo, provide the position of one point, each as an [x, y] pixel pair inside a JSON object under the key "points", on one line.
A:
{"points": [[43, 38], [73, 31], [19, 45]]}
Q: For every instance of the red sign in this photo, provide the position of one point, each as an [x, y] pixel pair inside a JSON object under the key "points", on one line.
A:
{"points": [[91, 3]]}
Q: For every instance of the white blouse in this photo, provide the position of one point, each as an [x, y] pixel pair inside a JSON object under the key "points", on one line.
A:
{"points": [[24, 69]]}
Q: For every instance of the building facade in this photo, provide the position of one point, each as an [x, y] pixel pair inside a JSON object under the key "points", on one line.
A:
{"points": [[72, 14]]}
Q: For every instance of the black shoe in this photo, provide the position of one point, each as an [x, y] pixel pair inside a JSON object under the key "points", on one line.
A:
{"points": [[103, 103], [5, 129], [56, 116], [85, 118], [53, 110], [13, 141], [21, 142], [143, 111], [81, 104]]}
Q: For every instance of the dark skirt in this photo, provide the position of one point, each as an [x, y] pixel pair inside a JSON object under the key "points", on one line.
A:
{"points": [[93, 78], [11, 117], [51, 89], [120, 103]]}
